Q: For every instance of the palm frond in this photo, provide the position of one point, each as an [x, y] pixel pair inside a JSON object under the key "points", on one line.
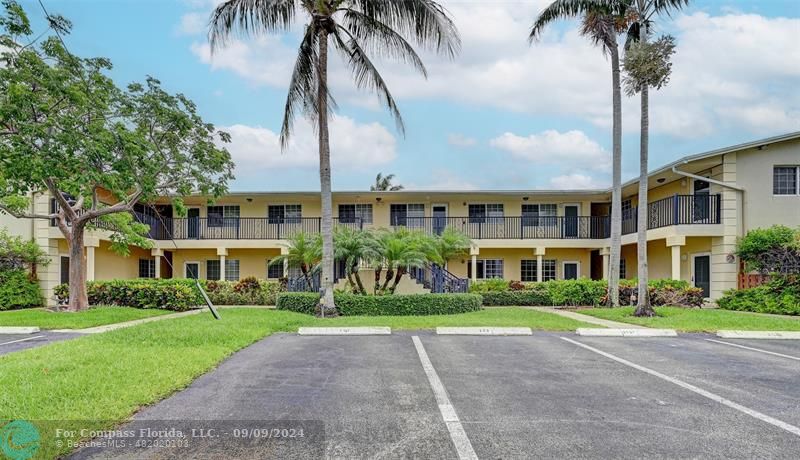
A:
{"points": [[425, 21], [248, 18], [365, 73], [380, 39], [302, 93]]}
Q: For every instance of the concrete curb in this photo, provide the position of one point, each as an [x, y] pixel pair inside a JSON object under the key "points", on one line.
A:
{"points": [[781, 335], [483, 331], [626, 332], [18, 330], [112, 327], [344, 331]]}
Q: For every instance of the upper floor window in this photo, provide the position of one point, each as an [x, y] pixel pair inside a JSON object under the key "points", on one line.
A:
{"points": [[785, 180], [223, 216], [355, 213], [538, 214], [627, 209], [284, 213], [482, 213], [410, 215]]}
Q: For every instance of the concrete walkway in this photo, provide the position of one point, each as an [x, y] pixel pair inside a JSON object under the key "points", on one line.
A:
{"points": [[587, 318], [111, 327]]}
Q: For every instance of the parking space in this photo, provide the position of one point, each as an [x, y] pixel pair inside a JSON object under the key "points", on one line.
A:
{"points": [[16, 342], [786, 348], [420, 395]]}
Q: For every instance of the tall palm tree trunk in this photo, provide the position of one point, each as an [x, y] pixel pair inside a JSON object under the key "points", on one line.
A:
{"points": [[616, 172], [328, 304], [643, 307]]}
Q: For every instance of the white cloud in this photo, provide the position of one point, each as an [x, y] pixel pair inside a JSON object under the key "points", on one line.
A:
{"points": [[576, 182], [353, 146], [445, 180], [571, 148], [192, 24], [460, 140]]}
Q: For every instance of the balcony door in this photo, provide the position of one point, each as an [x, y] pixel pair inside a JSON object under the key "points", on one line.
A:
{"points": [[193, 219], [439, 214], [702, 201], [571, 220]]}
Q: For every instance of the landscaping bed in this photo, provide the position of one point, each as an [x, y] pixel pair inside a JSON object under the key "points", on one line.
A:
{"points": [[386, 305], [95, 316], [697, 320]]}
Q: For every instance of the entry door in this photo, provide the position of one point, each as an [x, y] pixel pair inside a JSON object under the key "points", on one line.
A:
{"points": [[194, 223], [570, 221], [192, 270], [64, 274], [439, 213], [570, 270], [702, 274]]}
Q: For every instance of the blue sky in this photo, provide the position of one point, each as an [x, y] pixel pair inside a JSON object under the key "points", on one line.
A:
{"points": [[502, 115]]}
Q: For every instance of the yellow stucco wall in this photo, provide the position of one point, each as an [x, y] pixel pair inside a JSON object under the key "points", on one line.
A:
{"points": [[512, 260], [659, 257], [754, 169], [110, 265], [252, 262]]}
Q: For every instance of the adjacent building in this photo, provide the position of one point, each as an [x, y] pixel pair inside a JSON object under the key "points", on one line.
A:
{"points": [[698, 207]]}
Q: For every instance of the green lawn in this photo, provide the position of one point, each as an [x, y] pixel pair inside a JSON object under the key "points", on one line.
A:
{"points": [[95, 316], [698, 320], [495, 316], [103, 379]]}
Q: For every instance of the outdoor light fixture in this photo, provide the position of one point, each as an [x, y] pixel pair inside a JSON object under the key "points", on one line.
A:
{"points": [[378, 199], [661, 180], [249, 200], [524, 198]]}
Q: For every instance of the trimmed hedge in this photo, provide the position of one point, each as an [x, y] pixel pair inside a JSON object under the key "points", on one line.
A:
{"points": [[779, 296], [18, 290], [247, 291], [386, 305], [165, 294]]}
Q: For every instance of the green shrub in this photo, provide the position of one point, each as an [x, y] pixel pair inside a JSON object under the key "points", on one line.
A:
{"points": [[248, 291], [298, 302], [166, 294], [385, 305], [18, 290], [779, 296], [761, 240], [490, 285], [526, 298], [580, 292]]}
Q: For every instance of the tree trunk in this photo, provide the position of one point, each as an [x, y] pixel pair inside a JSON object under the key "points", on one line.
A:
{"points": [[351, 281], [643, 307], [327, 304], [360, 285], [78, 298], [388, 279], [304, 269], [378, 271], [400, 272], [616, 190]]}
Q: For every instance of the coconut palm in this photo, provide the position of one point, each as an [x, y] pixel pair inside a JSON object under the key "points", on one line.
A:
{"points": [[602, 22], [384, 184], [358, 29], [644, 11], [304, 251], [352, 246]]}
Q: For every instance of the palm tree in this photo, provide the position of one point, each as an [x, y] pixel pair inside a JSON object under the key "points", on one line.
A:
{"points": [[352, 246], [357, 28], [602, 22], [384, 184], [449, 244], [644, 11], [304, 251]]}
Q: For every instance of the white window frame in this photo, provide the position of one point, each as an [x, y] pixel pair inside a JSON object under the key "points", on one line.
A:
{"points": [[221, 270], [359, 209], [139, 268], [186, 268], [796, 179], [564, 265], [226, 220], [286, 219], [229, 262], [282, 267]]}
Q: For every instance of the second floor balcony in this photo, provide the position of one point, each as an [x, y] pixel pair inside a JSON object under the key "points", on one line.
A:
{"points": [[675, 210]]}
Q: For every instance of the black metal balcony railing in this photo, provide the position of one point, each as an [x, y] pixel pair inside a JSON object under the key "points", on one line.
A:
{"points": [[675, 210]]}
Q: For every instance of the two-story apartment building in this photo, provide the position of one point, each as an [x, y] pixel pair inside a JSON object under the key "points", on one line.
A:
{"points": [[698, 207]]}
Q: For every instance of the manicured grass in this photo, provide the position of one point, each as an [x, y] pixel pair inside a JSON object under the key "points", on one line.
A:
{"points": [[698, 320], [95, 316], [494, 316], [98, 381]]}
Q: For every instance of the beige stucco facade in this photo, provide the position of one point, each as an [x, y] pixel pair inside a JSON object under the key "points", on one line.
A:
{"points": [[686, 232]]}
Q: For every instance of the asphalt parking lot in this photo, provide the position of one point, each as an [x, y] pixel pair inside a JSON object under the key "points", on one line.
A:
{"points": [[550, 395], [16, 342]]}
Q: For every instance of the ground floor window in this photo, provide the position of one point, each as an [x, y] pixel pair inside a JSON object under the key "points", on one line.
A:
{"points": [[147, 268], [192, 270], [623, 269], [64, 270], [572, 270], [528, 270], [274, 271], [212, 270], [231, 270], [486, 269]]}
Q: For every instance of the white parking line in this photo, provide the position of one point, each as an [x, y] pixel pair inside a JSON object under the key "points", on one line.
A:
{"points": [[755, 349], [457, 433], [714, 397], [22, 340]]}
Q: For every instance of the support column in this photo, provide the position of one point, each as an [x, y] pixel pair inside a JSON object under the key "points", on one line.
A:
{"points": [[675, 243], [474, 251], [606, 253], [222, 253], [157, 253], [90, 244], [540, 252], [285, 251]]}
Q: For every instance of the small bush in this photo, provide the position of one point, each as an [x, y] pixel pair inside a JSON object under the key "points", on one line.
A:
{"points": [[18, 290], [780, 296], [298, 302], [166, 294], [248, 291], [580, 292], [762, 240], [247, 285], [516, 285], [490, 285], [527, 298], [387, 305]]}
